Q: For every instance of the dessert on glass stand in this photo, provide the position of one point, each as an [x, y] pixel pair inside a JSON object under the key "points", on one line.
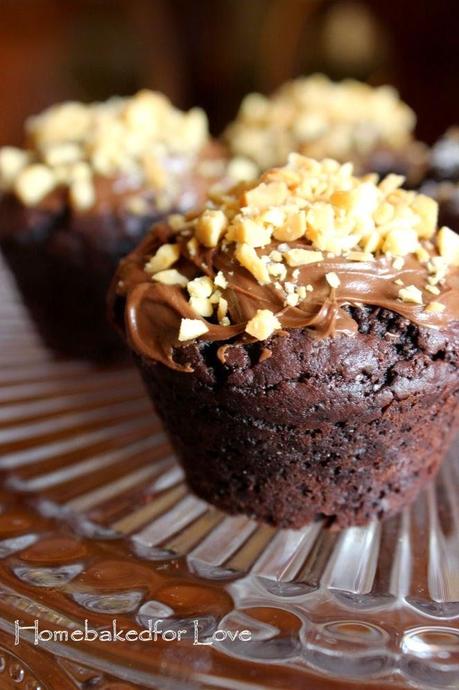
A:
{"points": [[347, 121], [81, 194], [299, 338]]}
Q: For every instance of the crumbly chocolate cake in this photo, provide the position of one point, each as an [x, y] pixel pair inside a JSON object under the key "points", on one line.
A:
{"points": [[81, 194], [347, 120], [300, 340]]}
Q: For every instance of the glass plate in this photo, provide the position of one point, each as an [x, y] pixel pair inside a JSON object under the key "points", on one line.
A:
{"points": [[97, 524]]}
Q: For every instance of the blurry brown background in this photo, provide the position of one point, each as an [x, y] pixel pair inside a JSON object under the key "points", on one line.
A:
{"points": [[211, 52]]}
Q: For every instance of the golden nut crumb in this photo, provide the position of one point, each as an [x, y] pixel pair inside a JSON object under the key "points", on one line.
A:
{"points": [[12, 161], [200, 287], [432, 289], [176, 221], [210, 227], [293, 228], [250, 232], [427, 210], [292, 299], [263, 324], [34, 183], [435, 308], [401, 241], [448, 245], [411, 294], [241, 169], [202, 306], [191, 328], [302, 257], [164, 258], [192, 245], [220, 280], [82, 194], [171, 277], [249, 259], [333, 279], [222, 309], [266, 194]]}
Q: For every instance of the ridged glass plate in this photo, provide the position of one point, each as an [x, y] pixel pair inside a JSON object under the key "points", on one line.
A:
{"points": [[97, 523]]}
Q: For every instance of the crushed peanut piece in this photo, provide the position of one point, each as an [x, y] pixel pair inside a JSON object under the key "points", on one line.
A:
{"points": [[200, 287], [202, 306], [333, 279], [33, 183], [164, 258], [210, 227], [448, 245], [191, 328], [220, 280], [302, 257], [171, 277], [263, 324], [435, 308], [247, 257], [411, 294]]}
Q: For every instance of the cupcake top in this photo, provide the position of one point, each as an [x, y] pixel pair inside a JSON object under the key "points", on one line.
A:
{"points": [[120, 150], [317, 117], [292, 250]]}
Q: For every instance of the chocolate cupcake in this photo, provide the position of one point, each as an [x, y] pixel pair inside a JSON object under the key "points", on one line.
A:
{"points": [[300, 340], [89, 183], [347, 121]]}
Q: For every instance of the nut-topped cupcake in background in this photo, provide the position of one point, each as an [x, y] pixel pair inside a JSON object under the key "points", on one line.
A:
{"points": [[442, 177], [81, 194], [300, 340], [347, 121]]}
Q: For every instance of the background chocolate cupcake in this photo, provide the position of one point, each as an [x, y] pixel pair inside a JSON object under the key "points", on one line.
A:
{"points": [[442, 177], [300, 340], [347, 121], [81, 194]]}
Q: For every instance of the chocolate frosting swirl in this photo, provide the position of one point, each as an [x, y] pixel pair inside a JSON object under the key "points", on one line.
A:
{"points": [[153, 311]]}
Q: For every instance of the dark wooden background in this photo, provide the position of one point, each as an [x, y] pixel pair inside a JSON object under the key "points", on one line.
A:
{"points": [[211, 52]]}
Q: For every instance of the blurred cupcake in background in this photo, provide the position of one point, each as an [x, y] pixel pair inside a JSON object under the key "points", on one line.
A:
{"points": [[442, 177], [88, 183], [347, 121]]}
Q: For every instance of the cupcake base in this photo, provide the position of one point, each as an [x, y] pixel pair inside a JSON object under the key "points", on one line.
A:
{"points": [[350, 428]]}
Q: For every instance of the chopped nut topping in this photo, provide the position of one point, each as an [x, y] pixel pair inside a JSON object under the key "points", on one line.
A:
{"points": [[302, 257], [200, 287], [202, 306], [171, 277], [122, 136], [448, 245], [320, 118], [220, 280], [435, 307], [191, 328], [263, 324], [333, 280], [164, 258], [222, 309], [33, 183], [299, 223], [82, 194], [411, 294], [12, 161], [247, 257], [210, 227]]}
